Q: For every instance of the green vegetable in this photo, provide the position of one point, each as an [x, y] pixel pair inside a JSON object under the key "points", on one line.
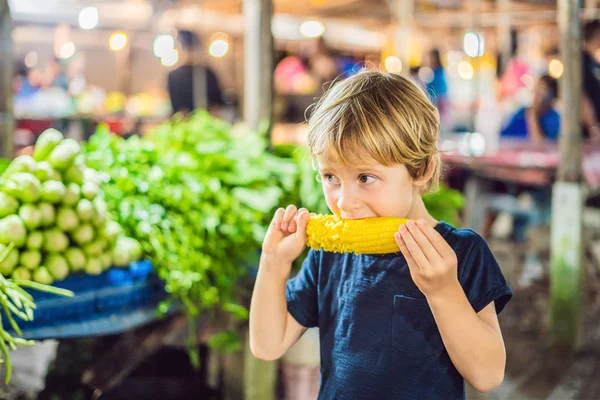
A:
{"points": [[53, 191], [12, 229], [35, 240], [46, 142], [100, 206], [111, 231], [106, 261], [31, 259], [63, 155], [173, 191], [45, 172], [72, 194], [66, 219], [76, 259], [89, 190], [444, 204], [99, 220], [74, 174], [23, 186], [126, 251], [16, 304], [31, 216], [83, 234], [85, 210], [93, 266], [21, 273], [8, 205], [43, 276], [23, 163], [55, 241], [92, 176], [9, 262], [58, 266], [48, 214], [94, 248]]}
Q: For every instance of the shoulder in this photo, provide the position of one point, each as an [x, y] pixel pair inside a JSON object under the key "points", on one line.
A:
{"points": [[179, 71], [463, 241], [458, 236]]}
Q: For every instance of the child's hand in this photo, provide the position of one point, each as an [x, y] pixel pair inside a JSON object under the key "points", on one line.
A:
{"points": [[432, 262], [286, 237]]}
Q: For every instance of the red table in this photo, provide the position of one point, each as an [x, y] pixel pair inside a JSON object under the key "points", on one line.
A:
{"points": [[518, 162]]}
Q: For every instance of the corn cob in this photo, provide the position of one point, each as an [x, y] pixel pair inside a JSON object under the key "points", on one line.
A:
{"points": [[360, 236]]}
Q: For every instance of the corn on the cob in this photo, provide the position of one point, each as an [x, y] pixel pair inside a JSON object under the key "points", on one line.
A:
{"points": [[359, 236]]}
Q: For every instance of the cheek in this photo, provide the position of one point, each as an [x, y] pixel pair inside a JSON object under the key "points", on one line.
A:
{"points": [[394, 199], [330, 197]]}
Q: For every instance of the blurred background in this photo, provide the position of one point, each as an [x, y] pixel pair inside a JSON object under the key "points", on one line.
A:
{"points": [[183, 123]]}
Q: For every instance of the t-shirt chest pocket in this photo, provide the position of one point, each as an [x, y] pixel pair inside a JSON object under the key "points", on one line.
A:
{"points": [[414, 331]]}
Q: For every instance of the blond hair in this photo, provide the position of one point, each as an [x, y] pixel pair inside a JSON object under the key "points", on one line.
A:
{"points": [[379, 117]]}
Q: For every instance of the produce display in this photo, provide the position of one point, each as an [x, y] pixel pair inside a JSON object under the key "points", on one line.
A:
{"points": [[198, 195], [53, 213]]}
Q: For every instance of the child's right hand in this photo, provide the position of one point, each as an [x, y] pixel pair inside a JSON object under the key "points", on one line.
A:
{"points": [[286, 237]]}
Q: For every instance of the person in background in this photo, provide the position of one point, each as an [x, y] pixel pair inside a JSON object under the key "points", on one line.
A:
{"points": [[414, 76], [540, 121], [438, 86], [591, 80], [184, 91]]}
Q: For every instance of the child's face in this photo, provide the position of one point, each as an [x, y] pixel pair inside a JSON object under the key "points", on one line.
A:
{"points": [[366, 190]]}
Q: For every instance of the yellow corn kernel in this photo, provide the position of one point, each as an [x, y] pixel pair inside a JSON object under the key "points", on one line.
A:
{"points": [[359, 236]]}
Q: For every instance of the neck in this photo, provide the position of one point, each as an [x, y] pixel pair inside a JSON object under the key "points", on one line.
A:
{"points": [[418, 210]]}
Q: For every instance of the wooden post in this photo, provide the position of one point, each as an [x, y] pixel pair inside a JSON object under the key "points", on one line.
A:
{"points": [[6, 83], [404, 11], [258, 62], [566, 283], [503, 35], [259, 377]]}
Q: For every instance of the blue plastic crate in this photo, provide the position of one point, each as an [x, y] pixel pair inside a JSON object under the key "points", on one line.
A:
{"points": [[117, 291]]}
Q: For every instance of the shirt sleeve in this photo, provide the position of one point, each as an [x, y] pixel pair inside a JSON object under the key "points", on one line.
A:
{"points": [[301, 292], [482, 279]]}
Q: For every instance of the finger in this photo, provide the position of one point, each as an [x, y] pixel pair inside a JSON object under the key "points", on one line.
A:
{"points": [[402, 245], [287, 216], [302, 221], [422, 240], [438, 242], [294, 222], [413, 248], [276, 222]]}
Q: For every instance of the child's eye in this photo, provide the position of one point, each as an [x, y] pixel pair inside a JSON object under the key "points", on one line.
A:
{"points": [[366, 179], [329, 178]]}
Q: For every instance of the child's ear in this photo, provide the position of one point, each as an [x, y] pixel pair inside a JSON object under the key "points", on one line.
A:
{"points": [[424, 177]]}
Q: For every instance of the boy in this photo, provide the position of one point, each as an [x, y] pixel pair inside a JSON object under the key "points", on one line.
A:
{"points": [[408, 325]]}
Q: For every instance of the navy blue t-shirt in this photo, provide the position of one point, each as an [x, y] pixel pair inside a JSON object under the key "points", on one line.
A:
{"points": [[379, 339]]}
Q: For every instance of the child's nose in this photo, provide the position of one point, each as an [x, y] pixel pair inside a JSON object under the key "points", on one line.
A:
{"points": [[347, 201]]}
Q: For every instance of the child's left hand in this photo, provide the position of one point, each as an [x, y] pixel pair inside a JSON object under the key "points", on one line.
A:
{"points": [[432, 262]]}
